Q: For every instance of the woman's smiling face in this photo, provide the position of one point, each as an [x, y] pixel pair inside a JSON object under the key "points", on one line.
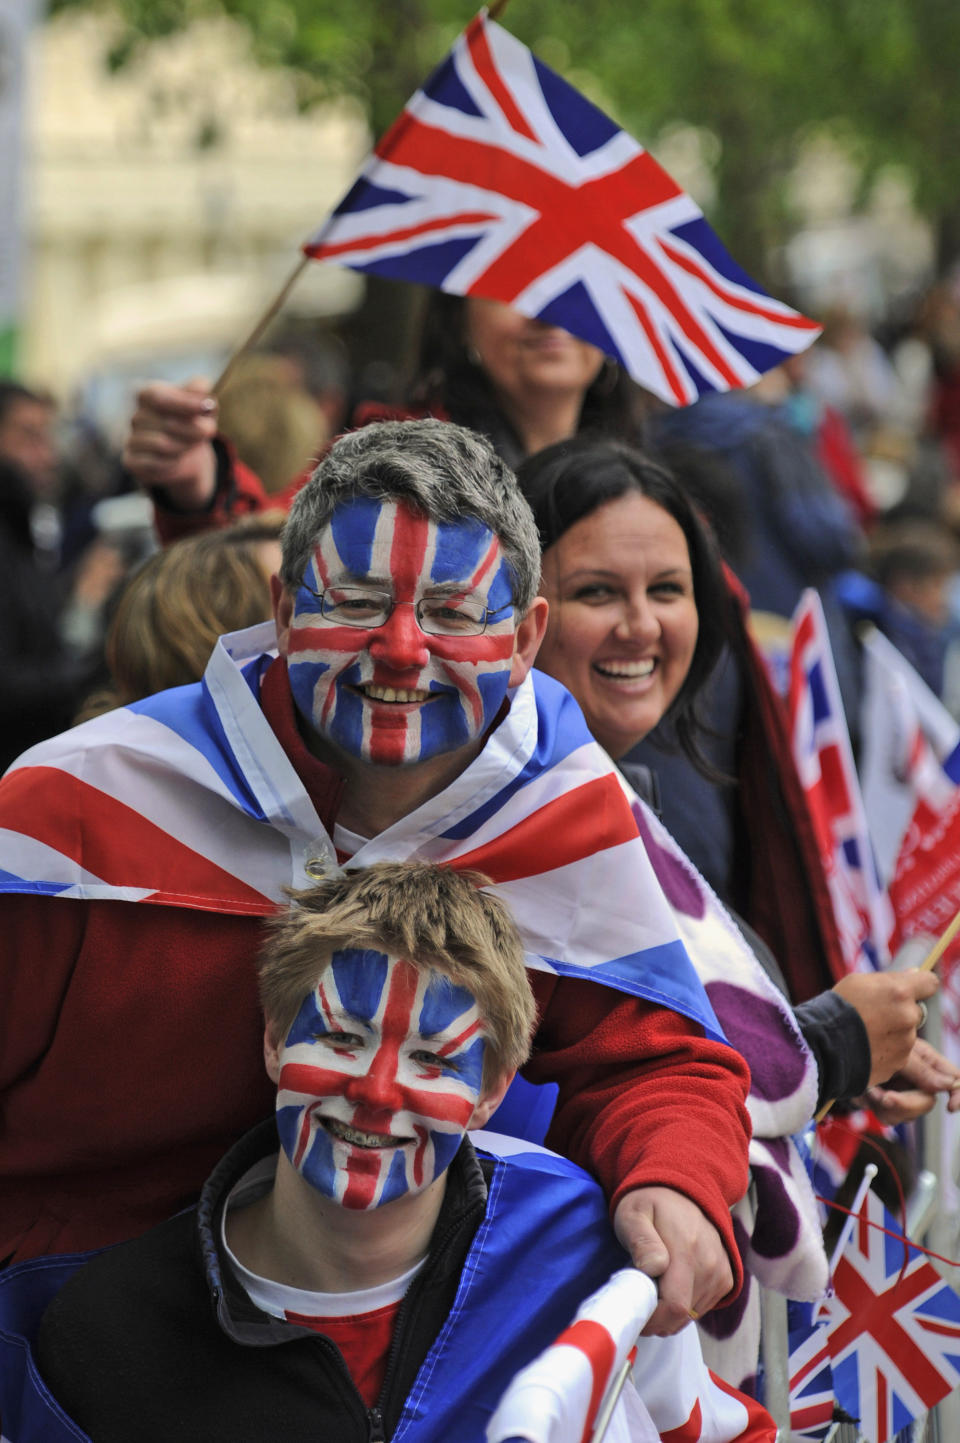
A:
{"points": [[623, 619]]}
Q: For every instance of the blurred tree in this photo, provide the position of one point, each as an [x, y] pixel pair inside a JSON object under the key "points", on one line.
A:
{"points": [[758, 74]]}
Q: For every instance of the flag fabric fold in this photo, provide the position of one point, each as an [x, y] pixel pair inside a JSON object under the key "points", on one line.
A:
{"points": [[907, 738], [824, 759], [557, 1397], [499, 179], [670, 1393], [811, 1384]]}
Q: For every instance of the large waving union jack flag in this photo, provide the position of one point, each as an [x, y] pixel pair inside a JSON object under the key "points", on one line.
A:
{"points": [[498, 179]]}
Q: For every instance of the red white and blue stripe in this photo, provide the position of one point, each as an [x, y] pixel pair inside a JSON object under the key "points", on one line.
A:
{"points": [[188, 799], [498, 179], [824, 760]]}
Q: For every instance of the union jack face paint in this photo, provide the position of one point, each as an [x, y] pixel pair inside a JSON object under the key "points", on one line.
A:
{"points": [[392, 694], [379, 1077]]}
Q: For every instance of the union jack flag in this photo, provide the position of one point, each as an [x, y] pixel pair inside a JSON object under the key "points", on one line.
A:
{"points": [[811, 1384], [671, 1395], [824, 759], [188, 799], [498, 179], [893, 1328]]}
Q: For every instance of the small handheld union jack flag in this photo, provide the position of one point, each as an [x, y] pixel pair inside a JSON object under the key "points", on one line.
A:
{"points": [[498, 179], [892, 1328]]}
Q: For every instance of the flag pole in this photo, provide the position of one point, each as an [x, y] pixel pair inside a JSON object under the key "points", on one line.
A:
{"points": [[927, 965], [613, 1392], [495, 10], [869, 1173], [251, 340], [941, 945]]}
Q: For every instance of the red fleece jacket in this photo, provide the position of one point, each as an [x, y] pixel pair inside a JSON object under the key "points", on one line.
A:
{"points": [[132, 1061]]}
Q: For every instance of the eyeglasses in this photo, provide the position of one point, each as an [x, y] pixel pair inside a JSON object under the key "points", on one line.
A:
{"points": [[436, 615]]}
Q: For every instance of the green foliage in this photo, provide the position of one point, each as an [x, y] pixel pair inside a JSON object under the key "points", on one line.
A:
{"points": [[759, 74]]}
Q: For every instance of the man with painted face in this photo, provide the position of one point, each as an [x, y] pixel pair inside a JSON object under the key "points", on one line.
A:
{"points": [[355, 1269], [399, 720]]}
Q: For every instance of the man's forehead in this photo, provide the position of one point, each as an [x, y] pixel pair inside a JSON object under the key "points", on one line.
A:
{"points": [[377, 537]]}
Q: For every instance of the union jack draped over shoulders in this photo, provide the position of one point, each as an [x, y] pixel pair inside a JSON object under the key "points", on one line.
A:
{"points": [[188, 799], [498, 179]]}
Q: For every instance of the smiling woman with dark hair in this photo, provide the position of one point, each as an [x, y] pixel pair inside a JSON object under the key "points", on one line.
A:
{"points": [[604, 509], [639, 615]]}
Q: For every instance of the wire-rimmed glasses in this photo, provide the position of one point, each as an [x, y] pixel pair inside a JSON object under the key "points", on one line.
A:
{"points": [[450, 615]]}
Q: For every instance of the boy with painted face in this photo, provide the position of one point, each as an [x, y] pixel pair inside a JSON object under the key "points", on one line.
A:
{"points": [[374, 1274], [398, 1010], [400, 720]]}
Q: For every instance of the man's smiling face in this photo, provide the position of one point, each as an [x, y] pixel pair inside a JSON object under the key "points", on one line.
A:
{"points": [[391, 693], [378, 1079]]}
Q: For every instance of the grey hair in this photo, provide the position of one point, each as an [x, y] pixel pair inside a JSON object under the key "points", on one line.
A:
{"points": [[443, 470]]}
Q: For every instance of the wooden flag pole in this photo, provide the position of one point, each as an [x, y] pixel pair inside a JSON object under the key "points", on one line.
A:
{"points": [[495, 10], [251, 340], [927, 965], [937, 951]]}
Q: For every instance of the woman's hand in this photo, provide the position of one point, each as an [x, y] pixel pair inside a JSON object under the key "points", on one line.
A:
{"points": [[913, 1090], [889, 1007]]}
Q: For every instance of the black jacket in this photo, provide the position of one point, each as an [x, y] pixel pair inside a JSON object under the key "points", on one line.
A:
{"points": [[153, 1339]]}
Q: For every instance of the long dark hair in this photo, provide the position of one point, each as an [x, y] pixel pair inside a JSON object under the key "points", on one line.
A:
{"points": [[447, 379], [572, 479]]}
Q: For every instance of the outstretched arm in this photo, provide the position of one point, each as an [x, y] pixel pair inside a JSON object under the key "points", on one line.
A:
{"points": [[656, 1111]]}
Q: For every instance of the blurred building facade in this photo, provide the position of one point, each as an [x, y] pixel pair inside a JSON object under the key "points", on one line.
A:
{"points": [[165, 203]]}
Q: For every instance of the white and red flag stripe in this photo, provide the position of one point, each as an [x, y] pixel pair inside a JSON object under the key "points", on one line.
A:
{"points": [[670, 1394]]}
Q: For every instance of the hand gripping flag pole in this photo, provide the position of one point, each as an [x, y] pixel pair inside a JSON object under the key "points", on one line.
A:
{"points": [[571, 1390], [499, 180], [927, 965]]}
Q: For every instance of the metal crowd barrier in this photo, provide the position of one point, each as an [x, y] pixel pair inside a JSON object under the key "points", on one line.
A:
{"points": [[927, 1222]]}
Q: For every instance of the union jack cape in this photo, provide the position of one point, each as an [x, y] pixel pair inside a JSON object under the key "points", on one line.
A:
{"points": [[498, 179], [188, 799]]}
